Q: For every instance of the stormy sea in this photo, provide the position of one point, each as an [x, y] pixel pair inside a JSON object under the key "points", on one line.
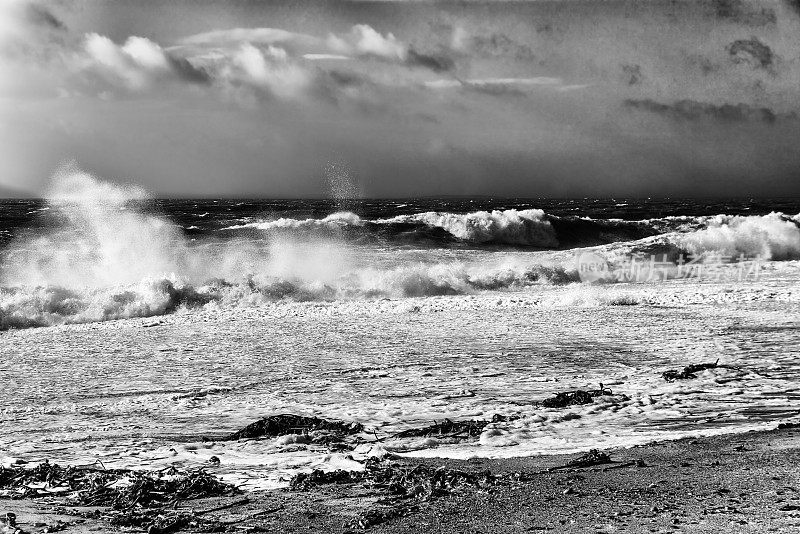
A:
{"points": [[138, 331]]}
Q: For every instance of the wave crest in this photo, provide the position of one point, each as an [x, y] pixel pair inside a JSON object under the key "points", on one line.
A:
{"points": [[22, 307], [508, 227], [769, 237], [728, 238], [332, 221]]}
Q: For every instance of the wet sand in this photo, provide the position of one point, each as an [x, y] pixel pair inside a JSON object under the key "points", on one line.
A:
{"points": [[736, 483]]}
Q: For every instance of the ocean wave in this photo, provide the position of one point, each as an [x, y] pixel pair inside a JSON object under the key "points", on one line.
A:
{"points": [[527, 228], [332, 221], [108, 260], [728, 238], [24, 307], [771, 237], [531, 228]]}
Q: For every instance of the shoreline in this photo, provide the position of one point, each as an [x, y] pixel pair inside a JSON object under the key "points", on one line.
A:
{"points": [[211, 372], [748, 482]]}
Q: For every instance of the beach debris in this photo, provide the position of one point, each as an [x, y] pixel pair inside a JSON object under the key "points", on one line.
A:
{"points": [[784, 426], [633, 463], [284, 424], [408, 485], [453, 429], [139, 499], [8, 524], [376, 516], [570, 398], [688, 372], [590, 459], [421, 482]]}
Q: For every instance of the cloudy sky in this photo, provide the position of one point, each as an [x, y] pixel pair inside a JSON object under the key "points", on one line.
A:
{"points": [[536, 98]]}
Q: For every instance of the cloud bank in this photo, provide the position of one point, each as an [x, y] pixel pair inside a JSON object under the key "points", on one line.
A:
{"points": [[523, 98]]}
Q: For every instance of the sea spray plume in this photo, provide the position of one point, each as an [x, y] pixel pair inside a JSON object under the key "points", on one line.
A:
{"points": [[104, 259], [101, 241], [311, 263], [342, 183]]}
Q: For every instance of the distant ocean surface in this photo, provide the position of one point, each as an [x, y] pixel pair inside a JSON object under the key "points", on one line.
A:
{"points": [[410, 221]]}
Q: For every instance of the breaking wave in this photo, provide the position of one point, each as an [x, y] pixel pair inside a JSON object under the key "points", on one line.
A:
{"points": [[108, 259], [770, 237], [48, 305], [531, 228], [774, 236], [509, 227]]}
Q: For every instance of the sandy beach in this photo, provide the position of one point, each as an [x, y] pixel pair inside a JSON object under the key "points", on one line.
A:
{"points": [[742, 483]]}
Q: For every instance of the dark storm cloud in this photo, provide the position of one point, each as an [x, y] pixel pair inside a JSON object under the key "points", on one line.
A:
{"points": [[184, 70], [343, 78], [40, 15], [691, 110], [632, 74], [701, 63], [752, 51], [434, 62], [740, 12], [500, 44], [794, 4], [499, 90]]}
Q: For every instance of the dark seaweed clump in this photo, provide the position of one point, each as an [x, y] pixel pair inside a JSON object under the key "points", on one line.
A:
{"points": [[453, 429], [590, 459], [688, 372], [570, 398], [408, 484], [139, 499], [281, 425]]}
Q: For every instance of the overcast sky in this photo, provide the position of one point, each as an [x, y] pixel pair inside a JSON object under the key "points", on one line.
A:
{"points": [[539, 98]]}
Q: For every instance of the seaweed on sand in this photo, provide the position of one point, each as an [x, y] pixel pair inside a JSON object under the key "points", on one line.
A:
{"points": [[410, 485], [570, 398], [453, 429], [281, 425], [590, 459], [131, 498], [688, 371], [783, 426], [421, 482]]}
